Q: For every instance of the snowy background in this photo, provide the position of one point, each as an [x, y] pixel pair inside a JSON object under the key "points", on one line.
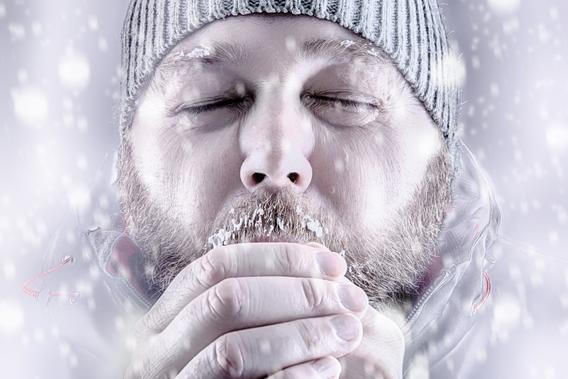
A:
{"points": [[59, 64]]}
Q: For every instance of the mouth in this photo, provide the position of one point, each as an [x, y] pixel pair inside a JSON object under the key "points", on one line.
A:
{"points": [[280, 237], [225, 237]]}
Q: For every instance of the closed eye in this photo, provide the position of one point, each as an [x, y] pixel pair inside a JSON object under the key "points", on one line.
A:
{"points": [[241, 104], [238, 104], [346, 104], [343, 109]]}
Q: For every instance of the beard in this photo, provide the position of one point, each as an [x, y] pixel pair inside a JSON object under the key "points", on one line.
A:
{"points": [[388, 264]]}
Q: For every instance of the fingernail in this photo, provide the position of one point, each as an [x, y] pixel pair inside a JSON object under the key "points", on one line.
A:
{"points": [[346, 327], [353, 298], [331, 264], [327, 368]]}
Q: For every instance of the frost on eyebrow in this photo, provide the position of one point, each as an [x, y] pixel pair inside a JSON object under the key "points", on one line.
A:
{"points": [[197, 52], [395, 83], [347, 43], [170, 64], [364, 49]]}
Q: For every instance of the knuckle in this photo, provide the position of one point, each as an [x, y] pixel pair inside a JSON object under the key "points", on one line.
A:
{"points": [[140, 328], [288, 374], [312, 293], [225, 299], [148, 357], [285, 374], [140, 367], [229, 356], [311, 337], [287, 261], [211, 268], [375, 370], [146, 326]]}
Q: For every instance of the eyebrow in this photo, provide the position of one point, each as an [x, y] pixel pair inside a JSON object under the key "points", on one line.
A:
{"points": [[342, 50], [338, 51]]}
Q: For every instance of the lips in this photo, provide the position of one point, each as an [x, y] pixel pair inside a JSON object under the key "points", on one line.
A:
{"points": [[275, 237]]}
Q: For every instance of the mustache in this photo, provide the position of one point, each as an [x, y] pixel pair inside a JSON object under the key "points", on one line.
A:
{"points": [[269, 216]]}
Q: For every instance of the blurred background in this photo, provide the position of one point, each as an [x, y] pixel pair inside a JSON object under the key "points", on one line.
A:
{"points": [[59, 87]]}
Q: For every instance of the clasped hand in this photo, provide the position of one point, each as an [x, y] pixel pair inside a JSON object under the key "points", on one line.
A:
{"points": [[257, 310]]}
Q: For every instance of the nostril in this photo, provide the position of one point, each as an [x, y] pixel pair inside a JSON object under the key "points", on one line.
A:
{"points": [[293, 177], [257, 177]]}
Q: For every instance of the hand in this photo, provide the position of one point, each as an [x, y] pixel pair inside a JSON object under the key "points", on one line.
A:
{"points": [[250, 310], [381, 351], [379, 355]]}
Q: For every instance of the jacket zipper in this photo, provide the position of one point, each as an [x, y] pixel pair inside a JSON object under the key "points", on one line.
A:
{"points": [[425, 296]]}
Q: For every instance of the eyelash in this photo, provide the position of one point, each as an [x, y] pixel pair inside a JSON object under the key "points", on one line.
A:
{"points": [[243, 104], [238, 104], [351, 104]]}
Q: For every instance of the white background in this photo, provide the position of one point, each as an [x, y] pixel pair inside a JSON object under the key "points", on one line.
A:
{"points": [[59, 66]]}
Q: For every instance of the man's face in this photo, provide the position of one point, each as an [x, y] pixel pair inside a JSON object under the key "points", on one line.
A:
{"points": [[290, 129]]}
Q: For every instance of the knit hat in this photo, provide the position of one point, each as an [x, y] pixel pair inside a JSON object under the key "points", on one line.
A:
{"points": [[410, 32]]}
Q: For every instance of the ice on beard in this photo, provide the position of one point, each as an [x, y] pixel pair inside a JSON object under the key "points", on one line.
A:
{"points": [[261, 225]]}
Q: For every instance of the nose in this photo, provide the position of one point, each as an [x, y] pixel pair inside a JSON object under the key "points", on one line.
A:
{"points": [[276, 142], [276, 170]]}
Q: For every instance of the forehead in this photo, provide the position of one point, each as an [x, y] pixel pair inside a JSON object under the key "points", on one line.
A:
{"points": [[276, 38]]}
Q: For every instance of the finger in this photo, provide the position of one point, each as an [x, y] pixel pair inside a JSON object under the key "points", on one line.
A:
{"points": [[381, 334], [236, 304], [239, 260], [324, 368], [262, 351], [147, 361]]}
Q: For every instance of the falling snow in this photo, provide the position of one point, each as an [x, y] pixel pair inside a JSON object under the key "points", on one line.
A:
{"points": [[30, 105], [11, 317], [504, 6], [60, 89], [74, 71]]}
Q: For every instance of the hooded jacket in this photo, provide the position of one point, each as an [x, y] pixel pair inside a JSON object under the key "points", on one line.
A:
{"points": [[496, 310]]}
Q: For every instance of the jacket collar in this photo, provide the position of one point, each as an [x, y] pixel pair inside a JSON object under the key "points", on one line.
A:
{"points": [[121, 262], [446, 309]]}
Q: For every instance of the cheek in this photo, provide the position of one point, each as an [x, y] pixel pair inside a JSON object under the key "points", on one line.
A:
{"points": [[358, 174], [421, 141], [147, 153], [204, 172], [418, 142], [380, 178], [189, 175]]}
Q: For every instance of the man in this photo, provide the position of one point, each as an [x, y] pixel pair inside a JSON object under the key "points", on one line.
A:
{"points": [[282, 131], [295, 199]]}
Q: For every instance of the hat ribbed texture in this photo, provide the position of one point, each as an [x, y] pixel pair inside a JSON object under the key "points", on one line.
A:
{"points": [[411, 32]]}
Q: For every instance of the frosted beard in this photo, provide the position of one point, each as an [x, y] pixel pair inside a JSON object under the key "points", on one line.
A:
{"points": [[387, 264]]}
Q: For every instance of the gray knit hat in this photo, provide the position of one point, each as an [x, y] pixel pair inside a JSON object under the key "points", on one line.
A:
{"points": [[410, 32]]}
